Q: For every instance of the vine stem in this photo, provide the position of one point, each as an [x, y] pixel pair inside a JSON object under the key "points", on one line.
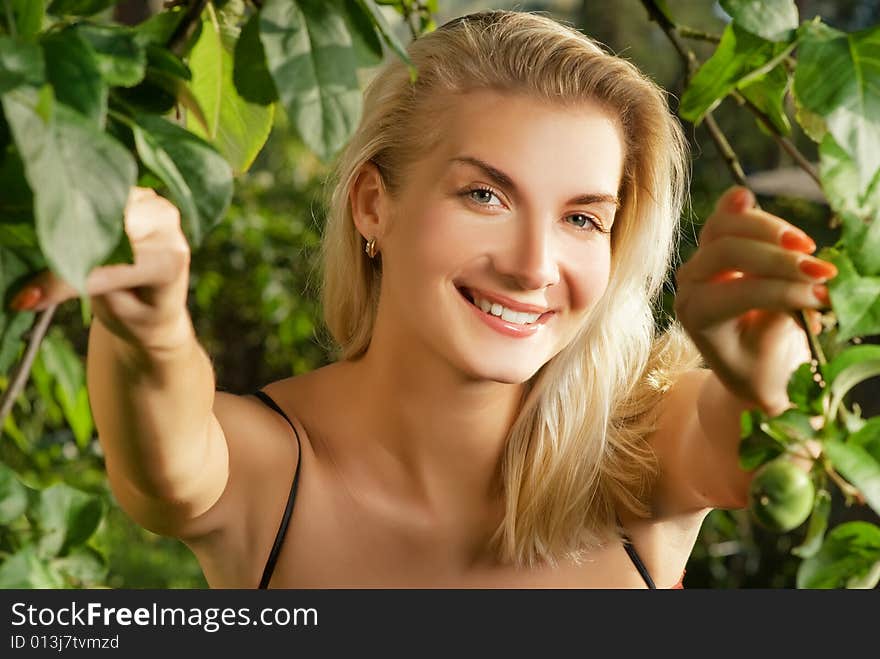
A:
{"points": [[22, 371], [723, 145]]}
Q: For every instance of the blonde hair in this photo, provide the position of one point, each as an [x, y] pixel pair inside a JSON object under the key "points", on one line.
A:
{"points": [[576, 453]]}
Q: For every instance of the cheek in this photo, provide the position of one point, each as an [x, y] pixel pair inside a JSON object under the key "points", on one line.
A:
{"points": [[588, 278]]}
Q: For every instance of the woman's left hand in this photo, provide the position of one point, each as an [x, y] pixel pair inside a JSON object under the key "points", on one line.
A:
{"points": [[737, 294]]}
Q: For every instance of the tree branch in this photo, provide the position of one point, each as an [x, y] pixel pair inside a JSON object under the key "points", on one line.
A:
{"points": [[23, 370], [187, 26], [698, 35]]}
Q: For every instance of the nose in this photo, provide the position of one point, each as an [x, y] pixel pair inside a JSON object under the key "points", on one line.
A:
{"points": [[529, 258]]}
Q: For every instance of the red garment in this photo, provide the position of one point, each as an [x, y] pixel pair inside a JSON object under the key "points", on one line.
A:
{"points": [[680, 584]]}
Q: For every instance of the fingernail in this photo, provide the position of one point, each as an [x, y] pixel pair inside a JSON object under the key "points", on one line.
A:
{"points": [[26, 298], [821, 293], [742, 198], [797, 240], [817, 269]]}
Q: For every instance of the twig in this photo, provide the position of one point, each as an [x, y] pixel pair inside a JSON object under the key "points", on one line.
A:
{"points": [[187, 26], [23, 369], [698, 35], [407, 16], [783, 141]]}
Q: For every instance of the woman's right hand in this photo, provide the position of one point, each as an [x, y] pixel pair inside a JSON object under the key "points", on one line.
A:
{"points": [[143, 303]]}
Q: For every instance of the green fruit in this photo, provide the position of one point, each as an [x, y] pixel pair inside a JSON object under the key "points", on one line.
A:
{"points": [[781, 496]]}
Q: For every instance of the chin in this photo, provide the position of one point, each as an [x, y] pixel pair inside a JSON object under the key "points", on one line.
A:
{"points": [[503, 373]]}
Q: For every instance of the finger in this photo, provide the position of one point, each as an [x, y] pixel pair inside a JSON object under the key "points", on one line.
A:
{"points": [[157, 266], [759, 259], [814, 318], [755, 224], [722, 301]]}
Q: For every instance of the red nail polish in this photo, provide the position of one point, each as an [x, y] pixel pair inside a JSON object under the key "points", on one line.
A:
{"points": [[743, 199], [26, 298], [797, 240], [817, 269], [821, 293]]}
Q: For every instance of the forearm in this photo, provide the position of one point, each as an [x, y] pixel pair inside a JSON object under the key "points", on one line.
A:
{"points": [[719, 411], [152, 410]]}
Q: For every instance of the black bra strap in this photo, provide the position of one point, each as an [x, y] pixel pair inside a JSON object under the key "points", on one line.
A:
{"points": [[637, 561], [285, 519]]}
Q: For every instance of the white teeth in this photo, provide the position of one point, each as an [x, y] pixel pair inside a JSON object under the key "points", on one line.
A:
{"points": [[518, 317]]}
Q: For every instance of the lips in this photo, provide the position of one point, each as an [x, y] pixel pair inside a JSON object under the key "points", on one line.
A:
{"points": [[503, 326], [504, 301]]}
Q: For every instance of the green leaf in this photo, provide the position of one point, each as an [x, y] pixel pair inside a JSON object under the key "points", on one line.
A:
{"points": [[855, 299], [24, 569], [62, 363], [740, 59], [367, 44], [13, 496], [858, 211], [121, 58], [804, 391], [66, 518], [157, 29], [206, 60], [858, 467], [849, 378], [850, 550], [817, 526], [756, 446], [13, 269], [838, 78], [29, 15], [847, 357], [81, 178], [250, 73], [79, 7], [78, 414], [84, 567], [774, 20], [767, 93], [388, 35], [868, 437], [239, 129], [16, 202], [310, 54], [199, 180], [21, 63], [793, 424], [12, 329], [72, 69]]}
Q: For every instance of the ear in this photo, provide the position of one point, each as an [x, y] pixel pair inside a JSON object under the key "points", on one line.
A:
{"points": [[369, 202]]}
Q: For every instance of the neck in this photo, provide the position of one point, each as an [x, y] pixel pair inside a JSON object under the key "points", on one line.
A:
{"points": [[442, 432]]}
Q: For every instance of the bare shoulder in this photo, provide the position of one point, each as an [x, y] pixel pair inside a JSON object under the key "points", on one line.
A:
{"points": [[255, 441]]}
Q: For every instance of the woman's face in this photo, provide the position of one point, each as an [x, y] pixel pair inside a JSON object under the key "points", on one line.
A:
{"points": [[511, 213]]}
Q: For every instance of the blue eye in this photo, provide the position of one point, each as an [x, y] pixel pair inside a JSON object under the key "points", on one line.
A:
{"points": [[587, 219], [487, 194]]}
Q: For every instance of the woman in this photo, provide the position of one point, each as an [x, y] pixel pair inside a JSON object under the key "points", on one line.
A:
{"points": [[501, 412]]}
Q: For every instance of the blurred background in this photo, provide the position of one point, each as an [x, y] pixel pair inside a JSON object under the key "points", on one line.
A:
{"points": [[254, 287]]}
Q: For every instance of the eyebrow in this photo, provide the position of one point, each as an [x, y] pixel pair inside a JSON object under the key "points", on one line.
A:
{"points": [[503, 180]]}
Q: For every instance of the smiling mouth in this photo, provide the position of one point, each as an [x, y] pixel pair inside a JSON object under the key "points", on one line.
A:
{"points": [[495, 310]]}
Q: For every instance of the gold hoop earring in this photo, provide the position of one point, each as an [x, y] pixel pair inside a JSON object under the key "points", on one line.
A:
{"points": [[370, 248]]}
